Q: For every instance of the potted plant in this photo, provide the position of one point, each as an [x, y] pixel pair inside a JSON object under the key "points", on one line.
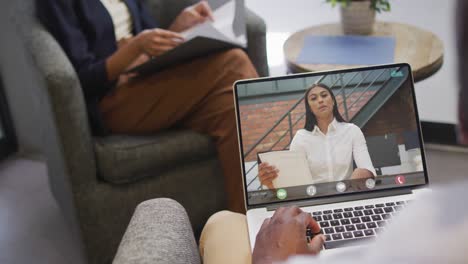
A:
{"points": [[358, 16]]}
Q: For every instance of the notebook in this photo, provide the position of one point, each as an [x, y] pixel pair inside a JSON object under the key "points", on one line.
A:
{"points": [[227, 30]]}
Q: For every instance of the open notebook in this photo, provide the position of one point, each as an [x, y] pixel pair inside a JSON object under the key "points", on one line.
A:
{"points": [[203, 39]]}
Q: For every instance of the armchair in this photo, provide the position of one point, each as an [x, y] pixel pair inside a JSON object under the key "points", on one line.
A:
{"points": [[98, 181]]}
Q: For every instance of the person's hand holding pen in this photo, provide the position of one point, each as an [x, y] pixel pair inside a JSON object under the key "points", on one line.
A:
{"points": [[267, 173], [284, 235], [137, 50], [154, 42], [191, 16]]}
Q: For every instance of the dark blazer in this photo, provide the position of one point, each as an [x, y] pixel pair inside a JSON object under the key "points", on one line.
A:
{"points": [[85, 31]]}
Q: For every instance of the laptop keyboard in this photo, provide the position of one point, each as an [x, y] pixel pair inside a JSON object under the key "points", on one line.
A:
{"points": [[345, 226]]}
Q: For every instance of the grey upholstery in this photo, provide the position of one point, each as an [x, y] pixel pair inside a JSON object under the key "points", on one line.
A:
{"points": [[98, 182], [256, 34], [126, 159], [159, 232]]}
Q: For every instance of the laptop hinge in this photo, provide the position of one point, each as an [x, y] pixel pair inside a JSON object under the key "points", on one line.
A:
{"points": [[346, 198]]}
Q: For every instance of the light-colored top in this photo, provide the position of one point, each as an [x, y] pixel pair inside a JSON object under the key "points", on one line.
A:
{"points": [[331, 155], [121, 18], [433, 229]]}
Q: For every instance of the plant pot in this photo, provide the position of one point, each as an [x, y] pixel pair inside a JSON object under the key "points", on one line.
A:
{"points": [[357, 18]]}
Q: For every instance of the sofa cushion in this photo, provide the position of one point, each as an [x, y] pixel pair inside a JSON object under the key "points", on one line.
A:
{"points": [[125, 159]]}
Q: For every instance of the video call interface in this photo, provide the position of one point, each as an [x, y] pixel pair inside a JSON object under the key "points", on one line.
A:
{"points": [[311, 136]]}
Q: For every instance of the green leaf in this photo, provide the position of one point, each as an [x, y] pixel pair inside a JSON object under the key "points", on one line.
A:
{"points": [[387, 7], [343, 3], [380, 5]]}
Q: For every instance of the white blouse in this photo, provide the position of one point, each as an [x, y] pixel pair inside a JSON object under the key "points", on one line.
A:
{"points": [[330, 156], [121, 18]]}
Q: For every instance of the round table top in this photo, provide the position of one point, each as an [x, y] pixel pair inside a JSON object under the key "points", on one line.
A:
{"points": [[421, 49]]}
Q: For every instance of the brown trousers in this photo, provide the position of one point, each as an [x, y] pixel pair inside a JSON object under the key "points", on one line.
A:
{"points": [[196, 95]]}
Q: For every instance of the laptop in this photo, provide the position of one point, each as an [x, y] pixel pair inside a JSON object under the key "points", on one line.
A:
{"points": [[375, 102]]}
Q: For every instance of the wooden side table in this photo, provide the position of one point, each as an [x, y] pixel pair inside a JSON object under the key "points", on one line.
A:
{"points": [[421, 49]]}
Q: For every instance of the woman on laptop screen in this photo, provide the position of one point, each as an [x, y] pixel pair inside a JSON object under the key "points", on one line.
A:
{"points": [[330, 143]]}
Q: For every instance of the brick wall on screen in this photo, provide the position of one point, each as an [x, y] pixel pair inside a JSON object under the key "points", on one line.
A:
{"points": [[257, 119]]}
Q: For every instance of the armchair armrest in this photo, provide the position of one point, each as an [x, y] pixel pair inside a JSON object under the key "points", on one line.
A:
{"points": [[256, 39], [159, 232]]}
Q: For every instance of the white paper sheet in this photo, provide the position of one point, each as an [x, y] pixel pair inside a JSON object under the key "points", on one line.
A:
{"points": [[292, 165], [221, 28]]}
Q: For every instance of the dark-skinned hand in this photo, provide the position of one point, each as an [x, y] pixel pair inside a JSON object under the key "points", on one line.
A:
{"points": [[284, 235]]}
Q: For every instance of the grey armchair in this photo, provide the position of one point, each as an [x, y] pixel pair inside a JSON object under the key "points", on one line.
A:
{"points": [[98, 182]]}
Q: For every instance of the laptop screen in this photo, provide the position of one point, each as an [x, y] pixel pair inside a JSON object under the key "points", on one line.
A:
{"points": [[330, 133]]}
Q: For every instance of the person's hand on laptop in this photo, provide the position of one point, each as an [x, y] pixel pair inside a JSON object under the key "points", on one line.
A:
{"points": [[284, 235], [267, 173]]}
